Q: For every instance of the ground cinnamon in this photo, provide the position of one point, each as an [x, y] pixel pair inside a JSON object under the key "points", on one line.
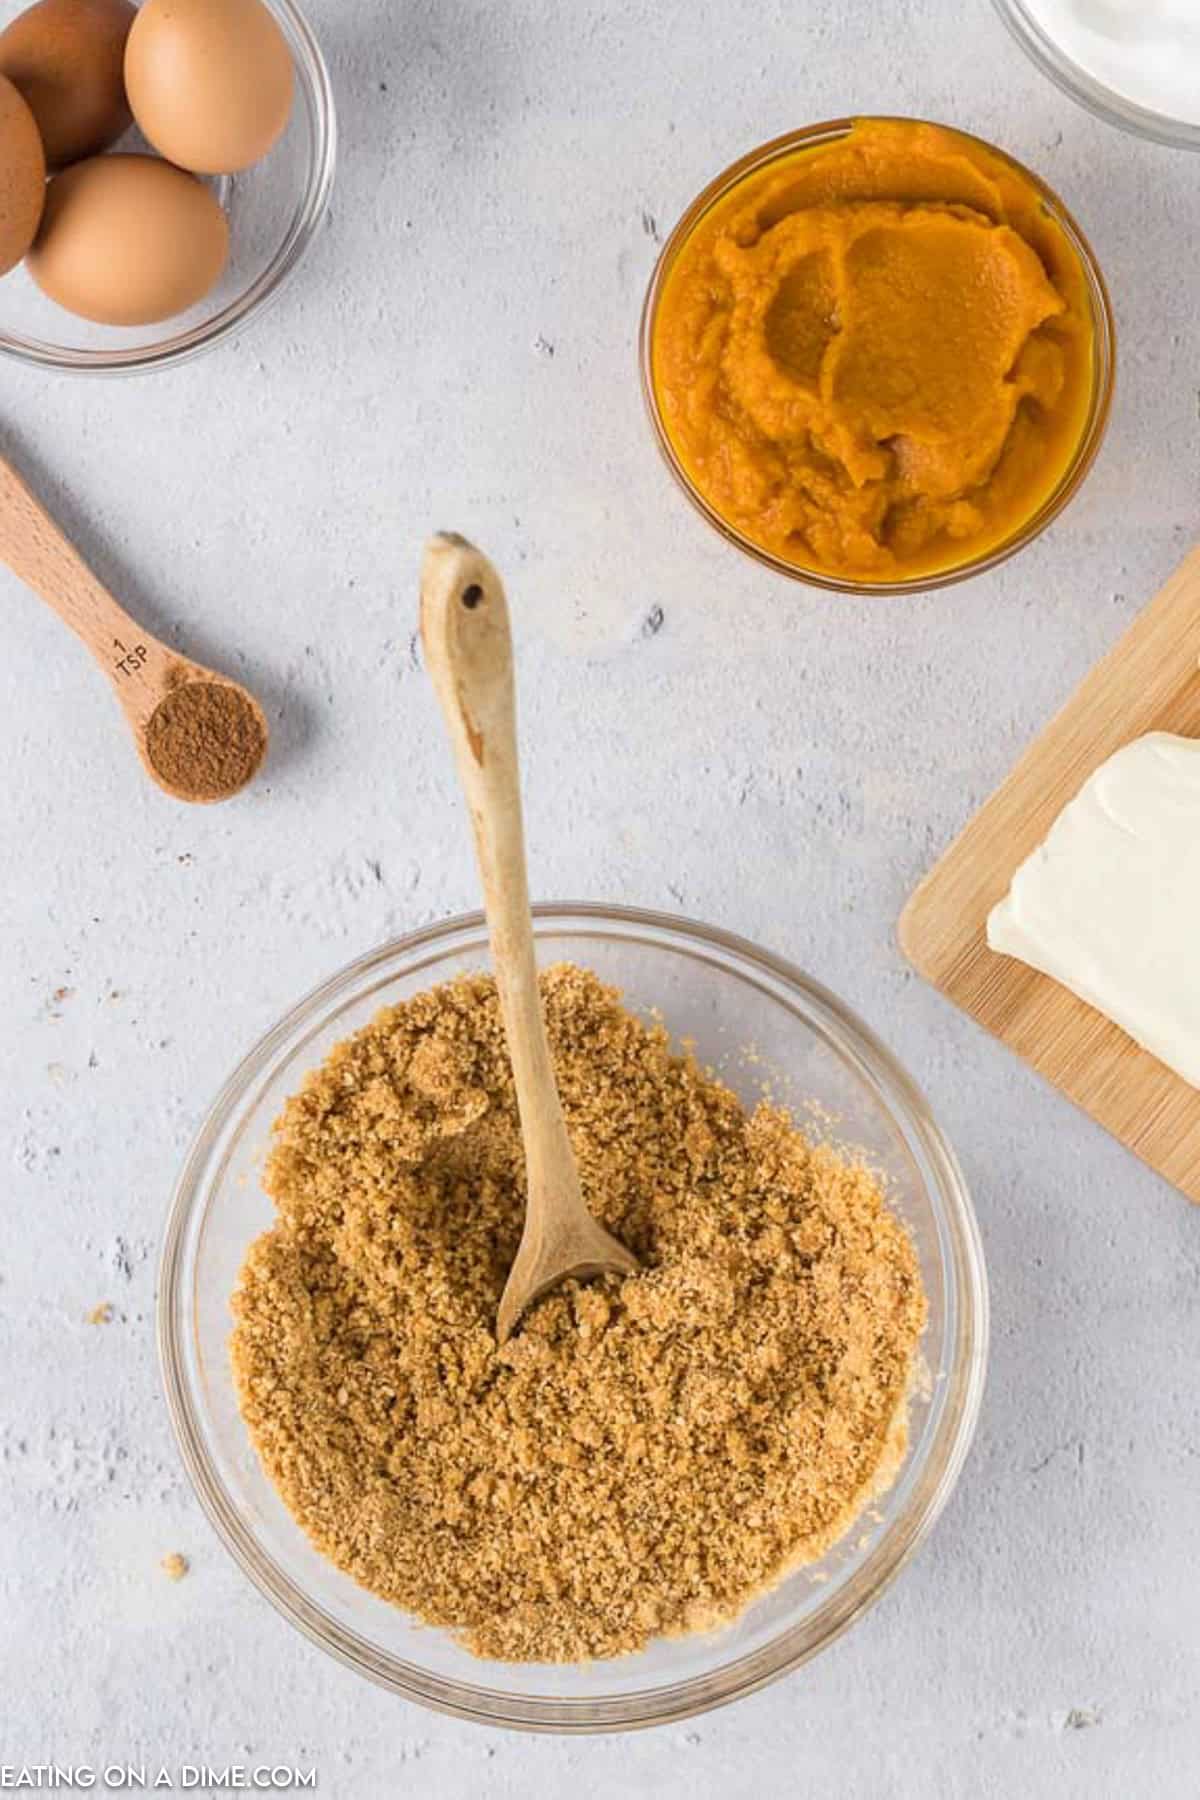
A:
{"points": [[205, 740], [645, 1454]]}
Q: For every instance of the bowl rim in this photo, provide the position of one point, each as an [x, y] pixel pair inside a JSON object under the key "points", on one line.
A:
{"points": [[792, 1645], [1101, 100], [316, 90], [1104, 363]]}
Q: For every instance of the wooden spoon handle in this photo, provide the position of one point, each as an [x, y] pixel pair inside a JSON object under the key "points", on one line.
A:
{"points": [[37, 551], [468, 652]]}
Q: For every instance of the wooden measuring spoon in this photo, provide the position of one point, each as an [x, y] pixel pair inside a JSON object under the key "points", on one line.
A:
{"points": [[200, 736], [468, 651]]}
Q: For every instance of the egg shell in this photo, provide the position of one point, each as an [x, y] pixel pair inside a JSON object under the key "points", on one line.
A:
{"points": [[128, 240], [67, 58], [22, 176], [210, 81]]}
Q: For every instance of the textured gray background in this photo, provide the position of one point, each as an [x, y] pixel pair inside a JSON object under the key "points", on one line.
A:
{"points": [[459, 350]]}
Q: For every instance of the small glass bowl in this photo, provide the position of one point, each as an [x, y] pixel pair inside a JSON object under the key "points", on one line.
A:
{"points": [[274, 210], [1071, 79], [752, 1016], [1090, 439]]}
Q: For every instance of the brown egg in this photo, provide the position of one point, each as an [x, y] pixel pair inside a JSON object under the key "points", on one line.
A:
{"points": [[209, 81], [22, 177], [67, 57], [128, 240]]}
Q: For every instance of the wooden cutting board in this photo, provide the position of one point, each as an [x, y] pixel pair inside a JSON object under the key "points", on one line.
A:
{"points": [[1149, 682]]}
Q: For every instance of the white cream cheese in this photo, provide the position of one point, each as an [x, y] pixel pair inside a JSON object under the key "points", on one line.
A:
{"points": [[1148, 51], [1109, 905]]}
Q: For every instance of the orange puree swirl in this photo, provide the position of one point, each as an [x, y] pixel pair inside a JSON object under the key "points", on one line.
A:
{"points": [[874, 360]]}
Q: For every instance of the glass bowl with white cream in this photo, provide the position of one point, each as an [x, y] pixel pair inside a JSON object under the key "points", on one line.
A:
{"points": [[1136, 63]]}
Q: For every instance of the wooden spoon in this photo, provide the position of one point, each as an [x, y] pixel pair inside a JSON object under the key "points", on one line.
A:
{"points": [[468, 650], [173, 706]]}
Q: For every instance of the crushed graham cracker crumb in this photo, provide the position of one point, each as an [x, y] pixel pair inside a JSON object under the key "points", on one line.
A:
{"points": [[175, 1566], [647, 1453], [102, 1314]]}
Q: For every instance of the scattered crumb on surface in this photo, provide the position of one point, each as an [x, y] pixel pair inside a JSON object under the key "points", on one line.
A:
{"points": [[175, 1566], [646, 1454], [102, 1314]]}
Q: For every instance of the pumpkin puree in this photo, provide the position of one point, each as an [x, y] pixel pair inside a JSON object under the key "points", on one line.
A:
{"points": [[874, 358]]}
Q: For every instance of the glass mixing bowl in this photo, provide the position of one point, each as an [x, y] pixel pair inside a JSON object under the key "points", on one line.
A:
{"points": [[752, 1016], [1088, 89], [1090, 438], [274, 210]]}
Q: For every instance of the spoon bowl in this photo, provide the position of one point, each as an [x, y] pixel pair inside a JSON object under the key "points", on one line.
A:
{"points": [[199, 722]]}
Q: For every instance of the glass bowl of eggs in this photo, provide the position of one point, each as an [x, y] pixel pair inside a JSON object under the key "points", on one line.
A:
{"points": [[162, 171]]}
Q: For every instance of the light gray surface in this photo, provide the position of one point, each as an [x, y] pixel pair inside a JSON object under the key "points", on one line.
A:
{"points": [[460, 351]]}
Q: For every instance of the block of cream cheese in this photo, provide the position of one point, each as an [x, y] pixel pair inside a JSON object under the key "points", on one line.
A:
{"points": [[1109, 905]]}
